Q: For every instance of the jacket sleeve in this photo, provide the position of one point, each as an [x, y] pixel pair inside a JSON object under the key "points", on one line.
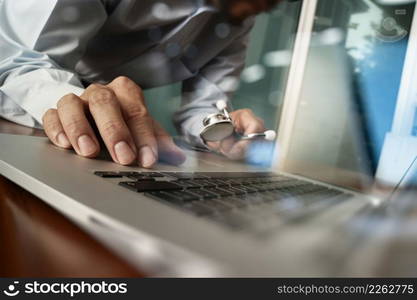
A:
{"points": [[217, 80], [34, 35]]}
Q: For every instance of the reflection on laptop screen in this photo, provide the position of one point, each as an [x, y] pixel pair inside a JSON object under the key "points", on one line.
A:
{"points": [[354, 117]]}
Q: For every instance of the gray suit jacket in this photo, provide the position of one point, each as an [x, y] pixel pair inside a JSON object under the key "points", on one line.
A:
{"points": [[49, 48]]}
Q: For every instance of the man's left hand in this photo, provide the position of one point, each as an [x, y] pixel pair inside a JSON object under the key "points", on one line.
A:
{"points": [[245, 122]]}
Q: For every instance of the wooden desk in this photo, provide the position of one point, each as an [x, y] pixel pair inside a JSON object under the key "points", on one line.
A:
{"points": [[37, 241]]}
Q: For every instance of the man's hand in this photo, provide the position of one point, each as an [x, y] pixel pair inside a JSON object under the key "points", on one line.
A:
{"points": [[245, 122], [119, 112]]}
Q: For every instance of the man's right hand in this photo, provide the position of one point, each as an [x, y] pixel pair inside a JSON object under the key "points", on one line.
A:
{"points": [[121, 117]]}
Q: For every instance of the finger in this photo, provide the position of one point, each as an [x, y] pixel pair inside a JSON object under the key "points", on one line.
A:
{"points": [[105, 110], [71, 112], [240, 148], [54, 130], [137, 119], [227, 144], [168, 151], [246, 122], [214, 146]]}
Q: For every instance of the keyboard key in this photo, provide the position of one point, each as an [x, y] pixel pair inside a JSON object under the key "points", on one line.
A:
{"points": [[218, 182], [219, 192], [108, 174], [279, 179], [152, 174], [234, 190], [131, 185], [172, 198], [244, 181], [222, 175], [264, 187], [133, 175], [262, 180], [203, 193], [128, 173], [182, 195], [205, 183], [184, 175], [231, 182], [140, 178], [247, 189], [150, 186], [164, 197], [189, 184]]}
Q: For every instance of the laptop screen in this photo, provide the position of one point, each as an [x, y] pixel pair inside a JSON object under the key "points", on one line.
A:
{"points": [[351, 117]]}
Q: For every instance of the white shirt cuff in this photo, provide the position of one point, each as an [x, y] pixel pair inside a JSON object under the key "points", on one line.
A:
{"points": [[40, 90]]}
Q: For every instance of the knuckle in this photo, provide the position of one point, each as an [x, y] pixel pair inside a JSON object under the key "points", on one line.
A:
{"points": [[123, 81], [136, 113], [247, 111], [51, 126], [74, 126], [66, 100], [128, 84], [95, 86], [102, 96], [48, 115], [112, 128]]}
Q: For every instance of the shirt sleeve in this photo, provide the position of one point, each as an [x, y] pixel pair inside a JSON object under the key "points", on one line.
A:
{"points": [[217, 80], [33, 37]]}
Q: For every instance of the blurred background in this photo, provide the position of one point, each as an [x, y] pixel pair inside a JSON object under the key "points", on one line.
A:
{"points": [[263, 81], [376, 36]]}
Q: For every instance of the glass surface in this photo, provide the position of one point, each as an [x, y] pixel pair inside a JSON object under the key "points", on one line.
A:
{"points": [[350, 93], [263, 81]]}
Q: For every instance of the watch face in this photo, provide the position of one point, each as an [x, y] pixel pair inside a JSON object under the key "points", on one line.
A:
{"points": [[217, 132]]}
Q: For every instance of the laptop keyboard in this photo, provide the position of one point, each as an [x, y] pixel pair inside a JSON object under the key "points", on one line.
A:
{"points": [[255, 201]]}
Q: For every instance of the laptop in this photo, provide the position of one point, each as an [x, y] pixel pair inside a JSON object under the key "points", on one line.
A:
{"points": [[214, 217]]}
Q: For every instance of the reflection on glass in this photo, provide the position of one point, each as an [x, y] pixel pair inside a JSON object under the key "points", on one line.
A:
{"points": [[351, 98], [261, 87]]}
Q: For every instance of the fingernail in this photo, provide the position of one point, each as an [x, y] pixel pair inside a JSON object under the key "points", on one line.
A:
{"points": [[86, 145], [62, 140], [147, 157], [124, 153]]}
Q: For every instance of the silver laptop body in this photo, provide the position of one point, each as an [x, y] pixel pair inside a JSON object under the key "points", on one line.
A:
{"points": [[167, 241]]}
